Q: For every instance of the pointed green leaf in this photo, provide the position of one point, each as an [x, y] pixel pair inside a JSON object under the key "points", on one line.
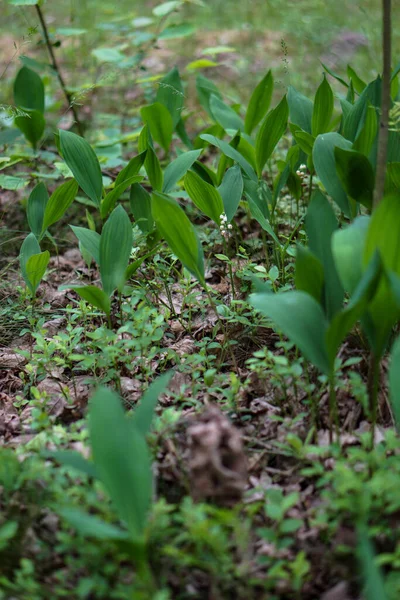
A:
{"points": [[304, 140], [32, 126], [36, 266], [367, 136], [170, 94], [115, 250], [153, 169], [29, 90], [359, 84], [37, 202], [272, 129], [347, 249], [231, 190], [159, 121], [259, 102], [325, 165], [94, 296], [356, 175], [300, 109], [30, 246], [372, 575], [58, 203], [122, 460], [323, 108], [205, 196], [175, 227], [309, 275], [177, 169], [90, 240], [140, 203], [131, 169], [301, 319], [225, 115], [90, 525], [110, 199], [83, 162], [205, 89], [226, 149]]}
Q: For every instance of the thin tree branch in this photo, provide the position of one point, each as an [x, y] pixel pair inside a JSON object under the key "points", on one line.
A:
{"points": [[56, 68], [385, 104]]}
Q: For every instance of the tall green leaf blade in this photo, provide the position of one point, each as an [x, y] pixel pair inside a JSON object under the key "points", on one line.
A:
{"points": [[32, 126], [323, 108], [372, 575], [131, 169], [225, 115], [301, 319], [300, 109], [231, 153], [272, 129], [170, 94], [115, 250], [177, 169], [30, 246], [321, 223], [160, 123], [153, 169], [37, 202], [110, 199], [347, 249], [231, 190], [58, 203], [140, 203], [90, 525], [205, 89], [367, 136], [356, 175], [205, 196], [35, 269], [122, 460], [259, 102], [29, 90], [309, 275], [90, 240], [325, 165], [83, 162], [359, 84], [94, 296], [175, 227]]}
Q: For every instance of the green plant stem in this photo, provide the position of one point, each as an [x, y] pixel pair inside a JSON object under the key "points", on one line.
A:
{"points": [[56, 68], [333, 410], [225, 245], [310, 187], [385, 104], [373, 383]]}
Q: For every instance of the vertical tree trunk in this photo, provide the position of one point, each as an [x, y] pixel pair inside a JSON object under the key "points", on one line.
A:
{"points": [[385, 103]]}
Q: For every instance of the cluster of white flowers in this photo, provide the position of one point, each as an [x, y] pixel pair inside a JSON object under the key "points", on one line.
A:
{"points": [[304, 176], [225, 227]]}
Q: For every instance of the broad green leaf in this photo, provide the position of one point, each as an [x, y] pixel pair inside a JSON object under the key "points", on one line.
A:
{"points": [[231, 153], [347, 249], [325, 165], [73, 459], [335, 76], [323, 108], [225, 115], [110, 199], [144, 412], [258, 206], [58, 203], [231, 190], [394, 380], [175, 227], [122, 460], [367, 136], [321, 223], [29, 90], [94, 296], [170, 94], [37, 201], [131, 169], [205, 89], [153, 169], [300, 109], [177, 169], [205, 196], [90, 525], [372, 575], [83, 162], [36, 266], [160, 123], [304, 140], [32, 126], [392, 183], [164, 9], [272, 129], [301, 319], [259, 102], [309, 275], [356, 175], [90, 240], [140, 203], [30, 246], [115, 250], [359, 84]]}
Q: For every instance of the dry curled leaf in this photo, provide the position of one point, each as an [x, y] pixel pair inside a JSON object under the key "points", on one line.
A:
{"points": [[217, 465]]}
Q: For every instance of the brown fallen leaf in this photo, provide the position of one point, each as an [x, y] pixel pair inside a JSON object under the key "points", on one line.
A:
{"points": [[217, 464]]}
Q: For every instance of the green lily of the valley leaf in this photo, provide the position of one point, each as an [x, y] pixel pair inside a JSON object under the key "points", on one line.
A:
{"points": [[170, 94], [309, 275], [115, 250], [83, 162], [90, 240], [175, 227], [356, 175], [140, 203], [301, 319], [131, 169], [37, 202], [272, 129], [159, 120], [144, 411], [231, 190], [122, 460], [94, 296], [58, 203], [34, 268], [300, 109], [32, 126], [347, 249], [259, 103], [178, 168], [205, 196], [323, 108], [90, 525], [225, 115], [110, 199], [205, 89], [230, 152], [29, 90]]}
